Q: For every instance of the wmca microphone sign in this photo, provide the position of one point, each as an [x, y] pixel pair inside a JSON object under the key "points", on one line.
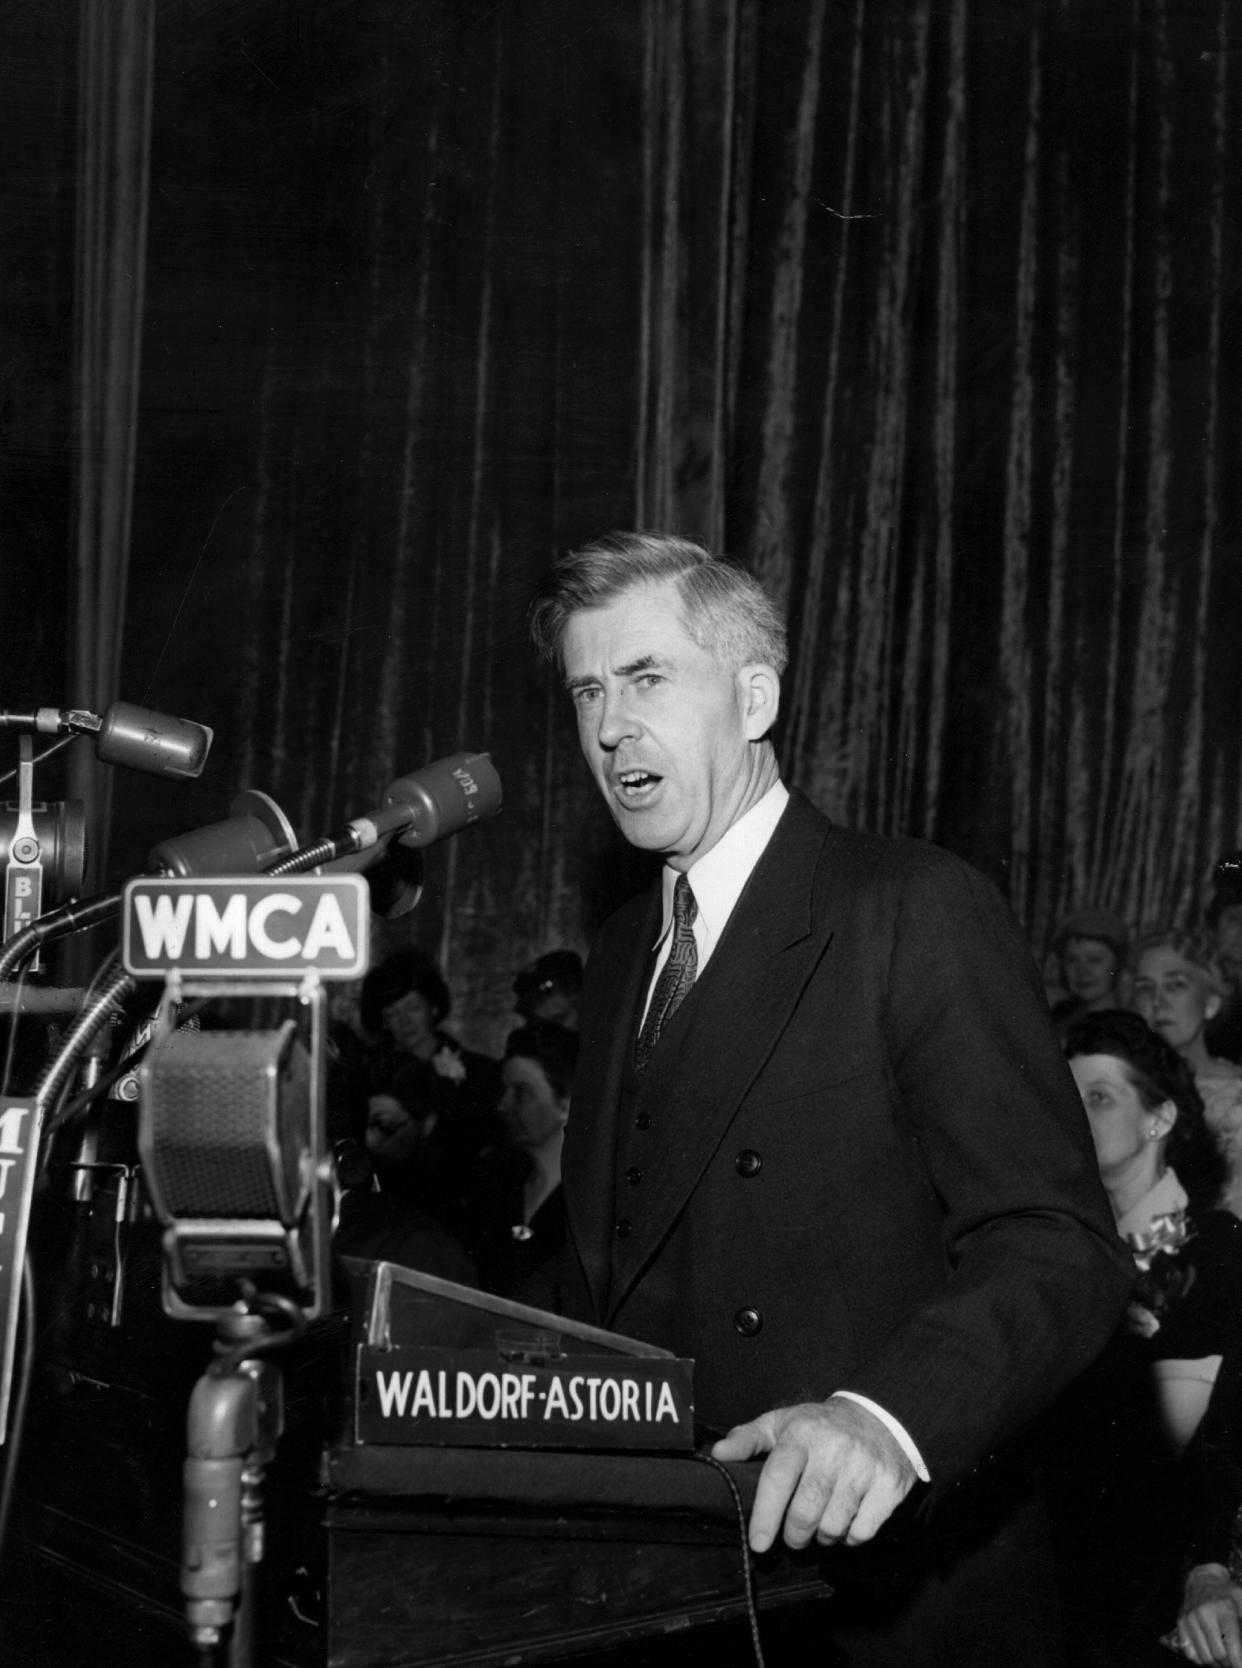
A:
{"points": [[251, 927]]}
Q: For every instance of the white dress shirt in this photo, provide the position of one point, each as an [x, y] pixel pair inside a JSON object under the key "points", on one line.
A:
{"points": [[717, 880]]}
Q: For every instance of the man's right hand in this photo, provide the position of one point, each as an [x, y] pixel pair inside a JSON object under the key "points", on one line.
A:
{"points": [[834, 1472], [1209, 1628]]}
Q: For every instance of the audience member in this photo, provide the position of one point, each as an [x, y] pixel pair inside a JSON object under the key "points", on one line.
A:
{"points": [[1178, 989], [405, 1001], [378, 1225], [1209, 1625], [432, 1103], [1115, 1457], [348, 1064], [515, 1212], [550, 988], [1223, 918], [1092, 946]]}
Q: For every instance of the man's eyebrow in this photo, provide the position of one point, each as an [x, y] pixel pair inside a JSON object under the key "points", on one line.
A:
{"points": [[642, 664]]}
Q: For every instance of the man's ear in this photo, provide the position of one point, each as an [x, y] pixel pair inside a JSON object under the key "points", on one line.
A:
{"points": [[760, 687], [1212, 1006]]}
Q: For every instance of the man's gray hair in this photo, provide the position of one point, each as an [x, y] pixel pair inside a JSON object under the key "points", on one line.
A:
{"points": [[724, 609]]}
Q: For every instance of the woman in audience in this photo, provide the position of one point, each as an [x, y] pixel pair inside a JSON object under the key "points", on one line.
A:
{"points": [[517, 1217], [1116, 1458], [1091, 945], [1209, 1626], [1178, 989], [448, 1091]]}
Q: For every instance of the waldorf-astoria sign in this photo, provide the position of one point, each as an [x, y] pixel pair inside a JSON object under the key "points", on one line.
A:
{"points": [[429, 1395]]}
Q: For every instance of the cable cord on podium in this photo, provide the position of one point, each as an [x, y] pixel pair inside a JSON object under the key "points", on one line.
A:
{"points": [[748, 1572]]}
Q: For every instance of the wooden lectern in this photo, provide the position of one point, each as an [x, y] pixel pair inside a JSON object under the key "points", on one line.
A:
{"points": [[443, 1553]]}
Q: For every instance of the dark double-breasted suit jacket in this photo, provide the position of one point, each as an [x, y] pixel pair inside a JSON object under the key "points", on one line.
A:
{"points": [[857, 1159]]}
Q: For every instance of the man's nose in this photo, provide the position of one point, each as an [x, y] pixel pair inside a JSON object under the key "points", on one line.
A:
{"points": [[616, 722]]}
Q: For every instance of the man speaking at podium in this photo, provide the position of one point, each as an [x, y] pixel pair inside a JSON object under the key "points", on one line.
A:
{"points": [[822, 1139]]}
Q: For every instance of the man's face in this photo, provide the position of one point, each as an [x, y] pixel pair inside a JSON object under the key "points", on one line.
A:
{"points": [[668, 733]]}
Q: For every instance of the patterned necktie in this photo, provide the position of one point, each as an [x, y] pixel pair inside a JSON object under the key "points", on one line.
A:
{"points": [[676, 976]]}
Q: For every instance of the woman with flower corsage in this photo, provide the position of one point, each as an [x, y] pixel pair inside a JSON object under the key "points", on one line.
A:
{"points": [[1117, 1458], [432, 1102], [1162, 1173]]}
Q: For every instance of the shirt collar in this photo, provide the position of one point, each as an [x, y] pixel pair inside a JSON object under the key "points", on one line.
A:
{"points": [[717, 879], [1167, 1196]]}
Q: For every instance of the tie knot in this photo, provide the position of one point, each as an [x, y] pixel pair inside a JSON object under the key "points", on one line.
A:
{"points": [[685, 906]]}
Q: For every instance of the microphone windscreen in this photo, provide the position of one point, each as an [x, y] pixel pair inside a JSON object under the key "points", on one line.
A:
{"points": [[446, 796], [151, 741]]}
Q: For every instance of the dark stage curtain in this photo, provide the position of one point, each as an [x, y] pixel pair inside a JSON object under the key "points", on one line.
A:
{"points": [[976, 379], [925, 311]]}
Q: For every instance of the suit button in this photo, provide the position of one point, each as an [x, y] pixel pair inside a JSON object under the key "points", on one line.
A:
{"points": [[748, 1322], [748, 1162], [643, 1121], [633, 1175], [623, 1227]]}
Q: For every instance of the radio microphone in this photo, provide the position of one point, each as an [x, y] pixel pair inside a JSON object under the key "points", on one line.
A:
{"points": [[127, 735], [256, 832], [417, 810], [434, 802]]}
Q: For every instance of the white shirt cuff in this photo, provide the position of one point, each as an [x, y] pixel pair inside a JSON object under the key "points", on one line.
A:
{"points": [[897, 1431]]}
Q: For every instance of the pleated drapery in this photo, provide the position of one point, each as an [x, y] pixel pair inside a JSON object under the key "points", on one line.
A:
{"points": [[980, 397], [921, 309], [115, 60]]}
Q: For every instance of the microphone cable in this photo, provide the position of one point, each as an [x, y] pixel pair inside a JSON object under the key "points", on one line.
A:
{"points": [[65, 741], [10, 1052], [748, 1568]]}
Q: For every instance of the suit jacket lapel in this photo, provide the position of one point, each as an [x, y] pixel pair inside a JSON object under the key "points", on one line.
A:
{"points": [[743, 1000]]}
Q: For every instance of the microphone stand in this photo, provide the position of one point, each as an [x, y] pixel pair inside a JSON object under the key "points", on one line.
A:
{"points": [[234, 1422]]}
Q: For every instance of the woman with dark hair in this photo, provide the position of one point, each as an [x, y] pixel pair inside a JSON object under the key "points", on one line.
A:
{"points": [[1162, 1171], [517, 1214], [1116, 1458]]}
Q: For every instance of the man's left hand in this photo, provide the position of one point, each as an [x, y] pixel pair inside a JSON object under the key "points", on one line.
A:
{"points": [[833, 1471]]}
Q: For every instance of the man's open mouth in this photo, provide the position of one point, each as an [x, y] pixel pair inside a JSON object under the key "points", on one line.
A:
{"points": [[631, 783]]}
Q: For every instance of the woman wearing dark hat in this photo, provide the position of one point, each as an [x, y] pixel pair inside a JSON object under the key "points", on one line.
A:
{"points": [[1091, 945]]}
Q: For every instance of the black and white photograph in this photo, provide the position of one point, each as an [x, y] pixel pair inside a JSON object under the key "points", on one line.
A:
{"points": [[621, 813]]}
